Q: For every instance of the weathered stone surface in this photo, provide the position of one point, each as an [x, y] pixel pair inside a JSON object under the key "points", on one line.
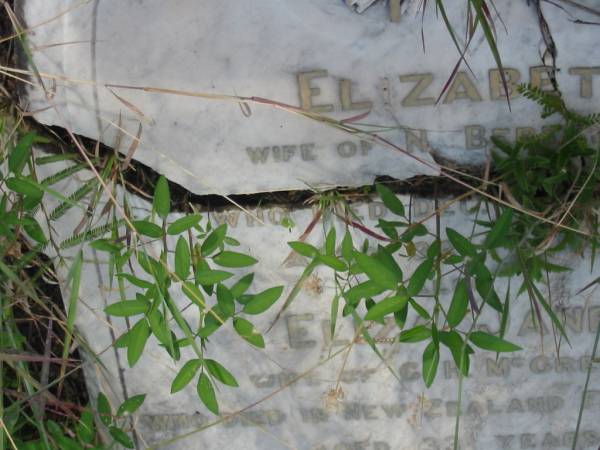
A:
{"points": [[292, 396], [315, 54]]}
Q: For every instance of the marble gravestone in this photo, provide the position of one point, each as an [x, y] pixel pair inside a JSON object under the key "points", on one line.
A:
{"points": [[157, 72], [318, 55], [308, 391]]}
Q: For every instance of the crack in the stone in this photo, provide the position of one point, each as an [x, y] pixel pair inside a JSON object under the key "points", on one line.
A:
{"points": [[140, 179]]}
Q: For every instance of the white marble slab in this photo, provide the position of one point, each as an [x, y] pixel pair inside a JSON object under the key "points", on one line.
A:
{"points": [[521, 400], [349, 64]]}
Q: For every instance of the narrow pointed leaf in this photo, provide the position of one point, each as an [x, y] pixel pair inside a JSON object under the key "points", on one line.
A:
{"points": [[162, 198], [247, 331], [462, 245], [431, 359], [234, 259], [185, 375], [459, 304], [220, 373], [419, 276], [377, 271], [387, 306], [497, 235], [138, 336], [492, 343], [182, 259], [206, 392], [183, 224], [262, 301]]}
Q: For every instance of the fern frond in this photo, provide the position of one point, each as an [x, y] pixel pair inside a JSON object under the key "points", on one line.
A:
{"points": [[90, 234], [62, 174], [61, 209]]}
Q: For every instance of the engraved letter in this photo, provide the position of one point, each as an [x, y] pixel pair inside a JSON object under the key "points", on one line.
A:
{"points": [[539, 77], [412, 140], [346, 98], [586, 89], [395, 11], [462, 87], [296, 333], [475, 137], [346, 149], [306, 150], [505, 439], [307, 92], [414, 98], [258, 154], [497, 90]]}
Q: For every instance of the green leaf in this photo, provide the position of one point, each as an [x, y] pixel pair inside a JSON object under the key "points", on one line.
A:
{"points": [[104, 409], [242, 285], [485, 287], [35, 232], [225, 300], [247, 331], [184, 223], [135, 280], [182, 259], [453, 259], [454, 342], [377, 271], [388, 198], [127, 308], [384, 256], [304, 249], [330, 242], [121, 437], [419, 276], [105, 245], [419, 309], [220, 372], [138, 336], [159, 327], [400, 317], [213, 320], [206, 392], [459, 304], [209, 277], [147, 228], [416, 334], [461, 243], [431, 359], [492, 343], [387, 306], [86, 431], [214, 240], [20, 153], [122, 341], [434, 249], [363, 290], [234, 259], [74, 279], [333, 262], [262, 301], [347, 246], [416, 229], [24, 187], [162, 198], [131, 405], [497, 235], [185, 375], [193, 293]]}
